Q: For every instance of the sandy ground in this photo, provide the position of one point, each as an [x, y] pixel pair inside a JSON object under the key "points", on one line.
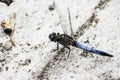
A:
{"points": [[34, 57]]}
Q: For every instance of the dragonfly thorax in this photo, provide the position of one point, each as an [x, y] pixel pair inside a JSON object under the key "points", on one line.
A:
{"points": [[63, 39]]}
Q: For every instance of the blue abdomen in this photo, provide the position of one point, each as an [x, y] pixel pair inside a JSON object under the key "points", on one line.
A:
{"points": [[91, 49]]}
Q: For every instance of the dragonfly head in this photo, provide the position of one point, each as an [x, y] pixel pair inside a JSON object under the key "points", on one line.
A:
{"points": [[52, 36]]}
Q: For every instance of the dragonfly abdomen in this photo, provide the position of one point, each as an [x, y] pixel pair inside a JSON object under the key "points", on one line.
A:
{"points": [[91, 49]]}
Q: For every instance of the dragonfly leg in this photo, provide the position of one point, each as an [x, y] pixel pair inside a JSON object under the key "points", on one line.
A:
{"points": [[57, 46], [62, 50], [68, 52], [68, 49]]}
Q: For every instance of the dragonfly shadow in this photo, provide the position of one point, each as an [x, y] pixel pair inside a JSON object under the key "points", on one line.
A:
{"points": [[61, 54]]}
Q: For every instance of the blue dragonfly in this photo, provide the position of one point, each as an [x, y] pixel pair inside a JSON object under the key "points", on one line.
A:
{"points": [[67, 40]]}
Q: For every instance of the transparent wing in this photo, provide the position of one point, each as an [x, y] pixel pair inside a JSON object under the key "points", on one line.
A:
{"points": [[67, 29], [72, 34]]}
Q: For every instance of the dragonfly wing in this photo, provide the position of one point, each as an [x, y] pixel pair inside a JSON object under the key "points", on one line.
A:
{"points": [[71, 29], [63, 21]]}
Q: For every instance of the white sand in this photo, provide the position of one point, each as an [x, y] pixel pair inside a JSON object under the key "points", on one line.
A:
{"points": [[40, 22]]}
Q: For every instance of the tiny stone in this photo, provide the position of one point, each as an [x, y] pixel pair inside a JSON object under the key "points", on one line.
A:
{"points": [[6, 68], [51, 7]]}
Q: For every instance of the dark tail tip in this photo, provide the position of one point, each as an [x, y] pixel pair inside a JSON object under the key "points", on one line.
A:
{"points": [[106, 54], [110, 55]]}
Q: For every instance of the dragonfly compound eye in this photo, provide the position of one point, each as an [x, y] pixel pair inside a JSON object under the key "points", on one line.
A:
{"points": [[52, 36]]}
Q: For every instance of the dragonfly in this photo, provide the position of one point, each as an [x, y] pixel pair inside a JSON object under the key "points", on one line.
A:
{"points": [[68, 40]]}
